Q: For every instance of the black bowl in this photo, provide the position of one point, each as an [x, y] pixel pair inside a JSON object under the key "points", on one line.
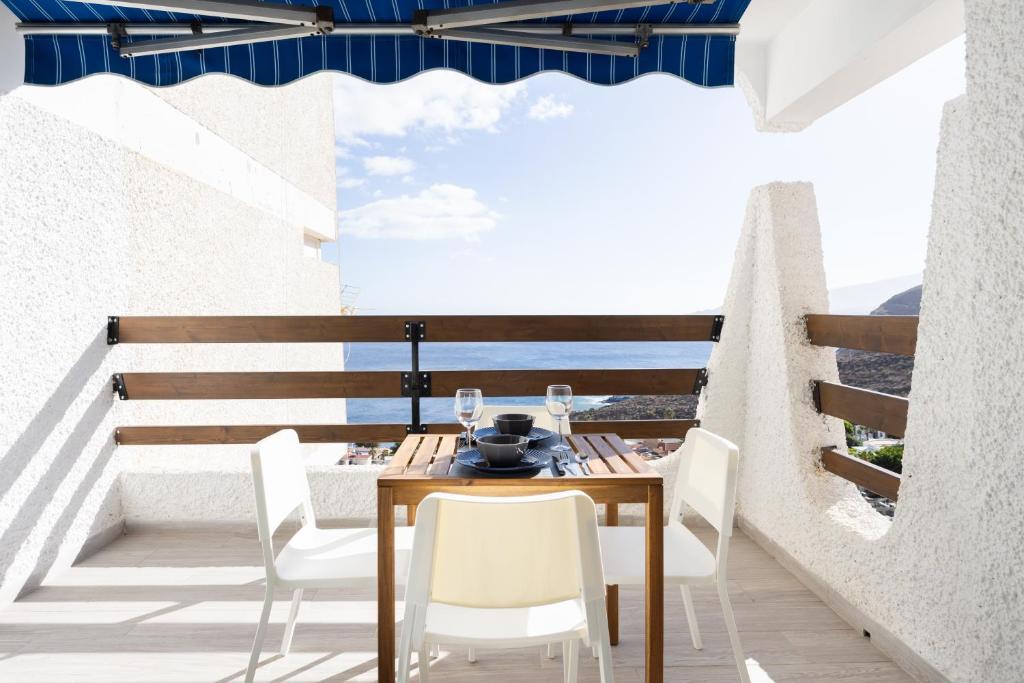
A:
{"points": [[513, 423], [503, 450]]}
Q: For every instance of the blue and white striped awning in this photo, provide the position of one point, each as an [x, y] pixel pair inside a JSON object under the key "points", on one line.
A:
{"points": [[376, 40]]}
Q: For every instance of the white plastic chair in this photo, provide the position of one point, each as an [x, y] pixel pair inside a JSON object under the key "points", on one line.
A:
{"points": [[706, 481], [505, 573], [313, 557], [542, 419]]}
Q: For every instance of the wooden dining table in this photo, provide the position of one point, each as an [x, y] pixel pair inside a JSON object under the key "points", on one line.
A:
{"points": [[425, 464]]}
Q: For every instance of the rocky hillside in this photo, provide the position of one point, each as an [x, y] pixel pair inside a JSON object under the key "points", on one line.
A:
{"points": [[883, 372]]}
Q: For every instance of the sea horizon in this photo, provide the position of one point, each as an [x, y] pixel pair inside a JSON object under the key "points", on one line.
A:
{"points": [[507, 356]]}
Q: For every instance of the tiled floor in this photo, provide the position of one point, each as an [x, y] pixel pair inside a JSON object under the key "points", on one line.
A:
{"points": [[177, 608]]}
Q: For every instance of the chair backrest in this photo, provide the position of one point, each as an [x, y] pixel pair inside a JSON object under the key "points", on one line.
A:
{"points": [[706, 479], [483, 552], [279, 480], [541, 417]]}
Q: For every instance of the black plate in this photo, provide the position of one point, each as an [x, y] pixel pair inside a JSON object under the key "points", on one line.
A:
{"points": [[533, 460], [536, 434]]}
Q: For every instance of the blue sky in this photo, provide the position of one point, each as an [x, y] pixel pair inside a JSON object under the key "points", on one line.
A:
{"points": [[557, 196]]}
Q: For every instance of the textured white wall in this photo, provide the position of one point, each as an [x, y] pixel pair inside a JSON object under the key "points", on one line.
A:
{"points": [[105, 219], [939, 588]]}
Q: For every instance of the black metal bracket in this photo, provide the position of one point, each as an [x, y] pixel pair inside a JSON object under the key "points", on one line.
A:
{"points": [[415, 331], [113, 329], [197, 27], [415, 384], [701, 381], [119, 387], [716, 328], [816, 394]]}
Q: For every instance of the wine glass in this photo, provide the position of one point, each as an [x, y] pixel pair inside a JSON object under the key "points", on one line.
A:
{"points": [[469, 407], [559, 405]]}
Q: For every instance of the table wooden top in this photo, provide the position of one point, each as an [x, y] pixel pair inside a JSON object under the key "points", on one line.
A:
{"points": [[431, 457]]}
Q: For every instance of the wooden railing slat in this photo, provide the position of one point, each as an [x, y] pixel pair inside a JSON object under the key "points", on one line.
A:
{"points": [[157, 435], [864, 407], [650, 382], [391, 328], [863, 473], [386, 384], [880, 333]]}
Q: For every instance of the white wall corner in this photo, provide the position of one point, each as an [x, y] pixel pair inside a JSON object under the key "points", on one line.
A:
{"points": [[827, 52], [12, 53], [758, 394]]}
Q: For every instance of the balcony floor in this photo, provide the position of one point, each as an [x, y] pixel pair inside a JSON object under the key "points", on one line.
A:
{"points": [[182, 607]]}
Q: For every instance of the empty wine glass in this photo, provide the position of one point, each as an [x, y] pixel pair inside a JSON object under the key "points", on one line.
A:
{"points": [[559, 405], [469, 407]]}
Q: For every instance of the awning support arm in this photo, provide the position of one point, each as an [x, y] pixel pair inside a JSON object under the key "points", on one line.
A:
{"points": [[426, 21], [243, 36], [245, 10], [516, 39]]}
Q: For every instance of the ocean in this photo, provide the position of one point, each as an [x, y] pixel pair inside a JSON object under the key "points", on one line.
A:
{"points": [[507, 356]]}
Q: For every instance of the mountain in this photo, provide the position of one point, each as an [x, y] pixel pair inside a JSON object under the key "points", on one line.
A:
{"points": [[862, 299], [884, 372]]}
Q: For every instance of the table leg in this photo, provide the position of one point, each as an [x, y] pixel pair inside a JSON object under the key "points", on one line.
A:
{"points": [[385, 585], [654, 592], [410, 515], [611, 518]]}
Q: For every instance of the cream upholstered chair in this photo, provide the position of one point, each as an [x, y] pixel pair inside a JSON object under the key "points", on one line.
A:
{"points": [[706, 481], [505, 573], [541, 417], [313, 557]]}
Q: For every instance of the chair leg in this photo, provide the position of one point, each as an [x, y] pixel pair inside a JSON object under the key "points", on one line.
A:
{"points": [[435, 651], [423, 664], [604, 660], [471, 655], [734, 635], [405, 646], [691, 617], [570, 660], [261, 632], [550, 654], [289, 629]]}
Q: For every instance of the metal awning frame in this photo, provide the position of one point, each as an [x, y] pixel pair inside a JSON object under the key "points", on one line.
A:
{"points": [[497, 24]]}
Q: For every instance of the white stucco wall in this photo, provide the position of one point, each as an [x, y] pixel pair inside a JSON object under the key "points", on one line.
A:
{"points": [[118, 201], [940, 587]]}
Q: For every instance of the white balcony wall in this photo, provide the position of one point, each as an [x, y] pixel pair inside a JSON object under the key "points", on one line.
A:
{"points": [[939, 588], [118, 199]]}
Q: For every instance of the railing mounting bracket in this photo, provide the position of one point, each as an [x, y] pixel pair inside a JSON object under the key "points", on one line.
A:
{"points": [[113, 329], [420, 387], [415, 330], [816, 394], [716, 328], [701, 381], [119, 387]]}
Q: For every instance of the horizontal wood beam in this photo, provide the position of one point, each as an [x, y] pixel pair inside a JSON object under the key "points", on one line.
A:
{"points": [[195, 435], [391, 328], [862, 473], [388, 384], [637, 429], [261, 385], [863, 407], [880, 333], [659, 382]]}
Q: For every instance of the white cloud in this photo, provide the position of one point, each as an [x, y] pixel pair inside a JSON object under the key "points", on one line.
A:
{"points": [[384, 165], [349, 183], [547, 107], [439, 100], [441, 211]]}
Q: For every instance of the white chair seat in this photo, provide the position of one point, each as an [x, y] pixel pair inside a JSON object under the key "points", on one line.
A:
{"points": [[506, 627], [338, 557], [687, 560]]}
